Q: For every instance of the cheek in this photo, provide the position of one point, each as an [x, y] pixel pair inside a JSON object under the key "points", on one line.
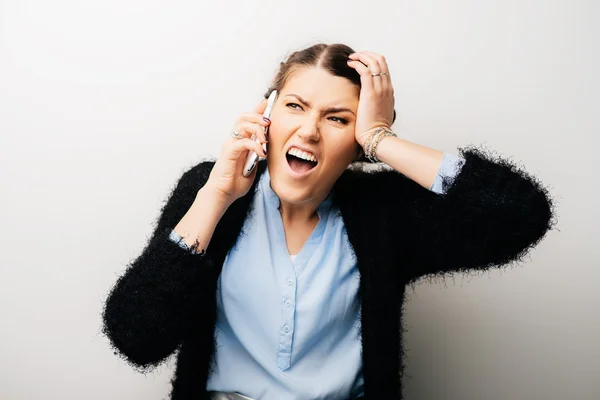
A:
{"points": [[275, 134], [279, 128], [283, 129]]}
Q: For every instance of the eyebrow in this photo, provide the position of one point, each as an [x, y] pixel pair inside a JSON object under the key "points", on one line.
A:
{"points": [[328, 110]]}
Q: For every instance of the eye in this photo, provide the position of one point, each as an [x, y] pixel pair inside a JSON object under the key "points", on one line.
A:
{"points": [[341, 120], [293, 104], [296, 106]]}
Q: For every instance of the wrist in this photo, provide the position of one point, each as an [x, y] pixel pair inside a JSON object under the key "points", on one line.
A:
{"points": [[364, 137], [212, 200], [200, 221], [374, 139]]}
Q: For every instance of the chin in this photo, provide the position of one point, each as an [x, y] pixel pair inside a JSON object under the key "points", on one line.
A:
{"points": [[290, 191], [298, 188]]}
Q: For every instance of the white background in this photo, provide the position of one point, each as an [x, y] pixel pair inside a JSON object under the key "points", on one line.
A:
{"points": [[103, 104]]}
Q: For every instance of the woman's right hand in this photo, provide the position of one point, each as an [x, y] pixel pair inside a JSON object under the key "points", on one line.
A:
{"points": [[226, 177]]}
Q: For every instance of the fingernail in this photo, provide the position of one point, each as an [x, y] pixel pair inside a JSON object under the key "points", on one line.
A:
{"points": [[267, 120]]}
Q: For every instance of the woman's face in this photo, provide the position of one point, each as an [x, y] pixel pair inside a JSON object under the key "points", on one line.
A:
{"points": [[313, 119]]}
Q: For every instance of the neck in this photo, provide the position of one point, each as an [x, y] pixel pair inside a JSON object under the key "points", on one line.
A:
{"points": [[299, 213]]}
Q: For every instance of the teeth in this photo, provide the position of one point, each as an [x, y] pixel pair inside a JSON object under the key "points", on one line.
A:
{"points": [[302, 154]]}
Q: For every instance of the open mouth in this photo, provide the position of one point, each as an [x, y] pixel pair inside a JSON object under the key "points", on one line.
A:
{"points": [[300, 161]]}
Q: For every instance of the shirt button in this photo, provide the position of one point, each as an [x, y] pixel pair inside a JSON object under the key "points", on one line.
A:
{"points": [[290, 282], [286, 329], [287, 303]]}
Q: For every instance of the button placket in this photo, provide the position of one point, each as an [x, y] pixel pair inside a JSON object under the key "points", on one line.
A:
{"points": [[286, 331]]}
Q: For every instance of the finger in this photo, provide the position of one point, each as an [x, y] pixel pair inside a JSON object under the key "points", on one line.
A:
{"points": [[373, 66], [251, 130], [380, 60], [242, 145], [377, 61], [261, 107], [366, 80], [255, 118], [261, 134], [386, 80]]}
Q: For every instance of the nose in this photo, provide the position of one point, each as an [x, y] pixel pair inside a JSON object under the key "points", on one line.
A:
{"points": [[309, 131]]}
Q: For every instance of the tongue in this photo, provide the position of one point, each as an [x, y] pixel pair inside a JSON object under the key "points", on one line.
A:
{"points": [[300, 166]]}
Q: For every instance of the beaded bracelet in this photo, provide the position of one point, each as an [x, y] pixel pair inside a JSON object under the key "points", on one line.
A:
{"points": [[379, 138], [373, 142], [370, 141]]}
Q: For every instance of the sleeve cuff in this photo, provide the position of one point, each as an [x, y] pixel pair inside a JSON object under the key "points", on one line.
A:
{"points": [[174, 237], [449, 169]]}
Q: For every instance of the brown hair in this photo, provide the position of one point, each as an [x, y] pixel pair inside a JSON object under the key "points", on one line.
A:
{"points": [[331, 57]]}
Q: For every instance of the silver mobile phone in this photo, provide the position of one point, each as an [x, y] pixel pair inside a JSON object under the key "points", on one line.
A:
{"points": [[253, 158]]}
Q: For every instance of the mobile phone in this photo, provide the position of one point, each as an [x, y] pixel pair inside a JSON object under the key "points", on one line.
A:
{"points": [[253, 158]]}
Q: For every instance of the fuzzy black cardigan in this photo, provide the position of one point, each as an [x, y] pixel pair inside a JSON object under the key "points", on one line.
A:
{"points": [[492, 213]]}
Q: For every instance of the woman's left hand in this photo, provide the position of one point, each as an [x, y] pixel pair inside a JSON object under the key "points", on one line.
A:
{"points": [[376, 102]]}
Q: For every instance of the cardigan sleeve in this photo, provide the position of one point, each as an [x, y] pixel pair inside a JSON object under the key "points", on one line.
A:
{"points": [[146, 312], [490, 214]]}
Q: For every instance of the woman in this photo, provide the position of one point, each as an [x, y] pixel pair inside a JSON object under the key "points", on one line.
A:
{"points": [[289, 284]]}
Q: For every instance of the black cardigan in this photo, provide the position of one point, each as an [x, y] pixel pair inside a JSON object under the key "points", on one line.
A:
{"points": [[492, 213]]}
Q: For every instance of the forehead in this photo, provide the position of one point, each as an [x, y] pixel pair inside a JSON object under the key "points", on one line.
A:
{"points": [[320, 87]]}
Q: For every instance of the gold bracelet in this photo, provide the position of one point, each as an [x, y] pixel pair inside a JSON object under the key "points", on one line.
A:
{"points": [[369, 146], [379, 138], [369, 142], [374, 139]]}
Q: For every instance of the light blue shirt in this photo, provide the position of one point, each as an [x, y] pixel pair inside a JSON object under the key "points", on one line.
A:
{"points": [[291, 329]]}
